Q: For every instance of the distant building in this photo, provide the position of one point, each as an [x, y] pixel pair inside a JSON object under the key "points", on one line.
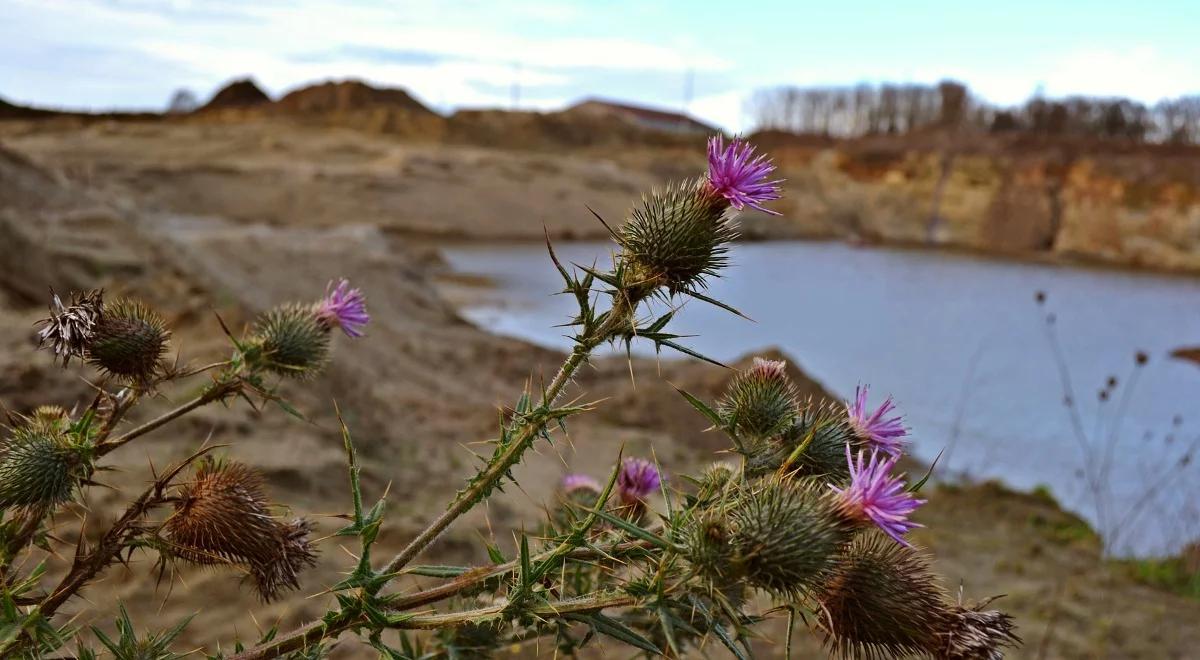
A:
{"points": [[643, 117]]}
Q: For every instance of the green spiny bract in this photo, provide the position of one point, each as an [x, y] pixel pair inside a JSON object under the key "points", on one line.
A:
{"points": [[786, 534], [41, 465], [760, 402], [128, 646], [816, 442], [292, 341], [128, 341], [675, 238], [882, 601]]}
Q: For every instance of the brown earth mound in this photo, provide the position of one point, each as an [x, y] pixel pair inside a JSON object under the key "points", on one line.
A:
{"points": [[346, 95], [240, 93]]}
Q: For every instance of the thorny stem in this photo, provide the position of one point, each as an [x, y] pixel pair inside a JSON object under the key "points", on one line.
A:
{"points": [[214, 392], [524, 438], [589, 603], [90, 562], [618, 317]]}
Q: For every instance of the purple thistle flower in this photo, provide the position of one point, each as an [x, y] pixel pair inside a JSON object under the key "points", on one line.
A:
{"points": [[877, 495], [882, 434], [574, 482], [344, 307], [637, 479], [736, 174]]}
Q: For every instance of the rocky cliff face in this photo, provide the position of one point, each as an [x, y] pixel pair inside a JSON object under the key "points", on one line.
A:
{"points": [[1134, 207]]}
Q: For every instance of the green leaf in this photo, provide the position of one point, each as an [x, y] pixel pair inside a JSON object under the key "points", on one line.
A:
{"points": [[436, 571], [632, 529], [702, 407], [917, 486], [617, 630], [712, 301]]}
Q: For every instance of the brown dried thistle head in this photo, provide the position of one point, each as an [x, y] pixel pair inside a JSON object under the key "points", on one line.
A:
{"points": [[223, 517]]}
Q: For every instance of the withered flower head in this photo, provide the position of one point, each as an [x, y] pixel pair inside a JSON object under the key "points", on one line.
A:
{"points": [[70, 327], [881, 600], [282, 571], [973, 633], [223, 517]]}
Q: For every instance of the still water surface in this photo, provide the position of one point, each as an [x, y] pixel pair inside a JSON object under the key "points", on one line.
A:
{"points": [[965, 349]]}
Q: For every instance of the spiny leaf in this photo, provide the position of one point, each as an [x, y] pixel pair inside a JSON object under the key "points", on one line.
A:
{"points": [[617, 630]]}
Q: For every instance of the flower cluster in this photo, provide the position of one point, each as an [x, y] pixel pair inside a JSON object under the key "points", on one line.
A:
{"points": [[812, 515]]}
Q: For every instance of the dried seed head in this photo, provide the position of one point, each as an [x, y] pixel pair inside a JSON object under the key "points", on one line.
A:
{"points": [[881, 600], [282, 571], [676, 238], [293, 340], [68, 330], [972, 633], [40, 466], [223, 516], [761, 401], [786, 535], [128, 341]]}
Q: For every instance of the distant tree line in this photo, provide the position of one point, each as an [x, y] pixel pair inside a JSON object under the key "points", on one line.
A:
{"points": [[864, 109]]}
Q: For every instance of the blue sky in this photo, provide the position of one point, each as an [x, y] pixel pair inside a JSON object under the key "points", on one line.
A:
{"points": [[105, 54]]}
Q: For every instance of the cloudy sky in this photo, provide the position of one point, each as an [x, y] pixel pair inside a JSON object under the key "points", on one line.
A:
{"points": [[132, 54]]}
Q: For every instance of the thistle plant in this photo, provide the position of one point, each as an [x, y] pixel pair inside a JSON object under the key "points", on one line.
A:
{"points": [[810, 521]]}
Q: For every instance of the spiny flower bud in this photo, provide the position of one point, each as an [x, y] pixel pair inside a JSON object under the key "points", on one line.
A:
{"points": [[676, 238], [40, 466], [708, 547], [760, 401], [578, 491], [49, 419], [972, 633], [69, 328], [223, 516], [872, 428], [293, 341], [876, 495], [128, 340], [816, 442], [344, 308], [786, 535], [881, 600]]}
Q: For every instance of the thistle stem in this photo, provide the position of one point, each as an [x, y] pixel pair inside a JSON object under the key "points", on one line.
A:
{"points": [[588, 603], [616, 320], [215, 392]]}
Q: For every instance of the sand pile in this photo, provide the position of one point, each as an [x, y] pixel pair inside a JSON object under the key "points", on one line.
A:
{"points": [[240, 93], [346, 95]]}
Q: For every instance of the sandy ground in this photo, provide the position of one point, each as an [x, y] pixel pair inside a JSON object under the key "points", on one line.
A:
{"points": [[231, 219]]}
